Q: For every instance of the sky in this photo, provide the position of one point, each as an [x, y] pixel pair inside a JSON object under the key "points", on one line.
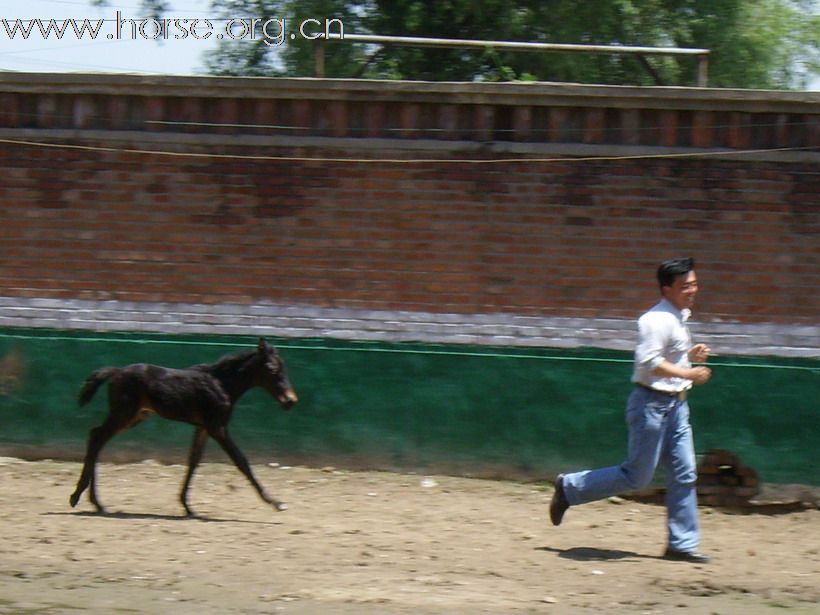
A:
{"points": [[120, 45], [127, 51]]}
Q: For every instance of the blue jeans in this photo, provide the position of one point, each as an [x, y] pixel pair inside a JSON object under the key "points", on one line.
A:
{"points": [[659, 431]]}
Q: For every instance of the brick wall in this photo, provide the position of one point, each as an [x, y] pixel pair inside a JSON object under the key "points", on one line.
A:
{"points": [[366, 195]]}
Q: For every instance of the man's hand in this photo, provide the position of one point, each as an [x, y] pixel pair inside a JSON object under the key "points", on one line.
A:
{"points": [[699, 375], [699, 353]]}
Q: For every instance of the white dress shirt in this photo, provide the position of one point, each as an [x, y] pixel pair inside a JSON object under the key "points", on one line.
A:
{"points": [[662, 336]]}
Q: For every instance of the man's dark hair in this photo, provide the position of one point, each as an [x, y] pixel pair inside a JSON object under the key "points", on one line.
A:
{"points": [[671, 269]]}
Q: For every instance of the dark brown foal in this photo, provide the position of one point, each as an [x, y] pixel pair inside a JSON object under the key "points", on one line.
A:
{"points": [[203, 395]]}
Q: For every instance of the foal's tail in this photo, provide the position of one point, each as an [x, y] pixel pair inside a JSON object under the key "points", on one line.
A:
{"points": [[93, 382]]}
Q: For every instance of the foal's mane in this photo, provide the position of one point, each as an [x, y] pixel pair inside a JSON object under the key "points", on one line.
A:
{"points": [[229, 364]]}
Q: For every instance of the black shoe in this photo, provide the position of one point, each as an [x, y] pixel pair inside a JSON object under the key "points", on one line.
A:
{"points": [[559, 503], [686, 556]]}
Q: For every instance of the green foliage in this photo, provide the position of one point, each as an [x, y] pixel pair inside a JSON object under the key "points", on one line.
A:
{"points": [[753, 43], [291, 57]]}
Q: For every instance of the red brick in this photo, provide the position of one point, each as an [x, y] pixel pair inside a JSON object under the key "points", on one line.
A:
{"points": [[409, 120], [483, 119], [522, 124], [154, 111], [534, 237], [702, 129], [447, 121], [595, 126], [338, 112]]}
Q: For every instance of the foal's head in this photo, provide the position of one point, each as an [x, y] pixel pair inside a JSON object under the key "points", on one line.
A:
{"points": [[272, 375]]}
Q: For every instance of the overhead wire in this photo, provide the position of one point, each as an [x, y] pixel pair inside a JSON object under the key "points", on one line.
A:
{"points": [[351, 160], [494, 353], [426, 351]]}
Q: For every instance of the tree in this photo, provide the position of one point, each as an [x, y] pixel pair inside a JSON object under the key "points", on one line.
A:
{"points": [[295, 56], [753, 43]]}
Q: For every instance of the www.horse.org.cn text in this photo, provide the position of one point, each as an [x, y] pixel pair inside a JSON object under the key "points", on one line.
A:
{"points": [[272, 31]]}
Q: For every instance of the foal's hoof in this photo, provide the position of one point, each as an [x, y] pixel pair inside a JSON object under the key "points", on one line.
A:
{"points": [[280, 506], [74, 499]]}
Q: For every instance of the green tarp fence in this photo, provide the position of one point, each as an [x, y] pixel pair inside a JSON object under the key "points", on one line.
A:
{"points": [[474, 410]]}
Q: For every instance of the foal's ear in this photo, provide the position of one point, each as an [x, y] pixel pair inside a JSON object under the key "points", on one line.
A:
{"points": [[263, 347]]}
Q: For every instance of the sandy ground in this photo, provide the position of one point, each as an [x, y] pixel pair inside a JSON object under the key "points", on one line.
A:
{"points": [[374, 543]]}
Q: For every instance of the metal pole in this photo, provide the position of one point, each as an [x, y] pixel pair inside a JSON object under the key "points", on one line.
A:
{"points": [[513, 45], [416, 41], [319, 59], [703, 70]]}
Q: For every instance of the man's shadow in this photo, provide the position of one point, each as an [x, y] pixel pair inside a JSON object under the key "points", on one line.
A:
{"points": [[591, 554]]}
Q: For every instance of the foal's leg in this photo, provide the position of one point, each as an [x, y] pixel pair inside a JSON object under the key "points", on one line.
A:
{"points": [[97, 438], [194, 457], [220, 434]]}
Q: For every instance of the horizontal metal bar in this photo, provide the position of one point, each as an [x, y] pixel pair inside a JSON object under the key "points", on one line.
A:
{"points": [[513, 45]]}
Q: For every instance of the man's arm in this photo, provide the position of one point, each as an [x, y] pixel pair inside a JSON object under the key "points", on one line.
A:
{"points": [[698, 375], [649, 352]]}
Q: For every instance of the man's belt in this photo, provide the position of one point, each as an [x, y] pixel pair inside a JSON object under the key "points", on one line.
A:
{"points": [[679, 395]]}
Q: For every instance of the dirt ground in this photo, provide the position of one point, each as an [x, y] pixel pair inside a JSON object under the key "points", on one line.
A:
{"points": [[374, 543]]}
